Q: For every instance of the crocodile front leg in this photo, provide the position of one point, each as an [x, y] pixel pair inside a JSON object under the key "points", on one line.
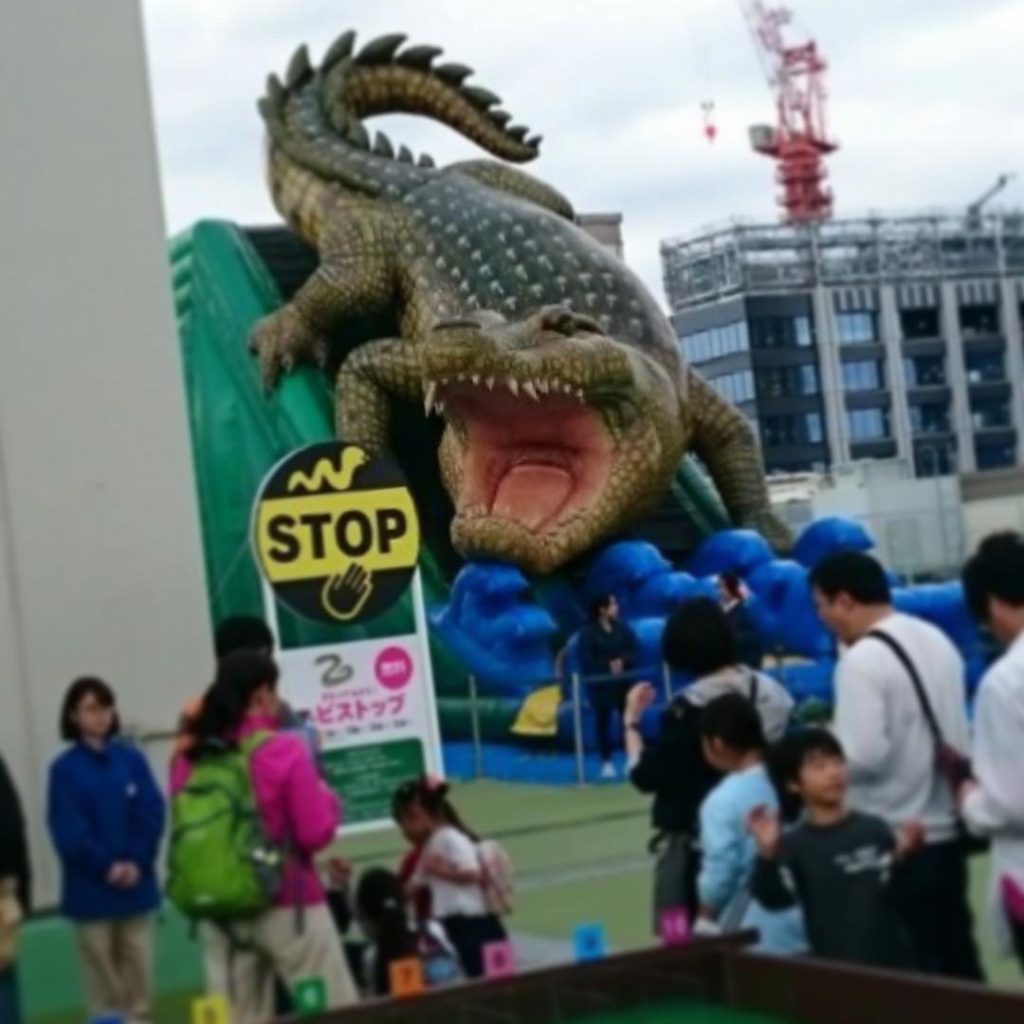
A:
{"points": [[368, 379], [356, 277], [725, 443]]}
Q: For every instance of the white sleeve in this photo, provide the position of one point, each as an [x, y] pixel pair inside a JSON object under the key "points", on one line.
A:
{"points": [[997, 805], [958, 732], [860, 720], [457, 849]]}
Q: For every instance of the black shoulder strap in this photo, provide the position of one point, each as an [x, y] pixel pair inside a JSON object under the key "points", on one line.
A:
{"points": [[926, 705], [755, 687]]}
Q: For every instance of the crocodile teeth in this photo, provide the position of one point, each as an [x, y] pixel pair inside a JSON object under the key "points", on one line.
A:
{"points": [[439, 406], [579, 396], [476, 379], [490, 383], [513, 386], [531, 390], [543, 386], [428, 399]]}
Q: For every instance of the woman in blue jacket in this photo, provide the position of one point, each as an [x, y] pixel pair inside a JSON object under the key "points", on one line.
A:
{"points": [[106, 817]]}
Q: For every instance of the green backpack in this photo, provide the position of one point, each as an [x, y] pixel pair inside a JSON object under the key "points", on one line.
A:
{"points": [[221, 865]]}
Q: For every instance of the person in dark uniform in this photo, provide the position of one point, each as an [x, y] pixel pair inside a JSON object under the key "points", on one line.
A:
{"points": [[607, 647]]}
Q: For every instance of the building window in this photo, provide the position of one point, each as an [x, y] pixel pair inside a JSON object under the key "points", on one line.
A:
{"points": [[979, 319], [857, 328], [995, 456], [780, 332], [934, 460], [797, 428], [868, 424], [735, 387], [990, 414], [919, 323], [802, 324], [984, 366], [862, 376], [925, 371], [930, 418], [784, 381], [809, 380], [716, 342], [813, 426]]}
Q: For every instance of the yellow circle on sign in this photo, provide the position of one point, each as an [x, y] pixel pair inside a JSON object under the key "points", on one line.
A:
{"points": [[336, 532]]}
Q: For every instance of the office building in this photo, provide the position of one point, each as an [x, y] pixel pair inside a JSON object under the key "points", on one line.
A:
{"points": [[878, 337]]}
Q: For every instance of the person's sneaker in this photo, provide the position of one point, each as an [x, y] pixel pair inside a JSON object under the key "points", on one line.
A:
{"points": [[608, 771]]}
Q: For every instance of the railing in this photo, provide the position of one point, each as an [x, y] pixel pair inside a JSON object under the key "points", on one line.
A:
{"points": [[578, 685]]}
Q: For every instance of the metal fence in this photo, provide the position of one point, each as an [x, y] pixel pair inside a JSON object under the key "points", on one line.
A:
{"points": [[577, 691]]}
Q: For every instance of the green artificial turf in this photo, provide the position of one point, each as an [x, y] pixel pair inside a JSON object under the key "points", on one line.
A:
{"points": [[682, 1012]]}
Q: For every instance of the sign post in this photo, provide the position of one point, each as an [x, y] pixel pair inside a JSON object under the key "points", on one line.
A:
{"points": [[337, 539]]}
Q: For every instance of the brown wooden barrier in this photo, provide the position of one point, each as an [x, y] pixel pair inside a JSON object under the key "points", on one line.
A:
{"points": [[715, 971], [824, 993]]}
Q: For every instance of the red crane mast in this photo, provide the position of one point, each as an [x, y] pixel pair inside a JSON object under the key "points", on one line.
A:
{"points": [[798, 142]]}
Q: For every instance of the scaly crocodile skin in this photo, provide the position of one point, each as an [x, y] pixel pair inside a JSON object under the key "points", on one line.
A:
{"points": [[504, 307]]}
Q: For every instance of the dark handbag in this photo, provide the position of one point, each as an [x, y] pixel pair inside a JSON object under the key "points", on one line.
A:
{"points": [[950, 764]]}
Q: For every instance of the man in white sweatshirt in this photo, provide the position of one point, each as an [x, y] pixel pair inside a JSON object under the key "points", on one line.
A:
{"points": [[891, 750], [994, 804]]}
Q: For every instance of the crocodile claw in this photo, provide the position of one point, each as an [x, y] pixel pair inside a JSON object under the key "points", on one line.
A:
{"points": [[282, 341]]}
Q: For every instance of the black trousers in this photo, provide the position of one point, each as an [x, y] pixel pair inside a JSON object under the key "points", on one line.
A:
{"points": [[930, 893], [606, 700], [469, 935], [1018, 942], [675, 876]]}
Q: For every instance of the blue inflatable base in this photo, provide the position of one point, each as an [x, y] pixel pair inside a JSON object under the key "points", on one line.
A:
{"points": [[508, 763]]}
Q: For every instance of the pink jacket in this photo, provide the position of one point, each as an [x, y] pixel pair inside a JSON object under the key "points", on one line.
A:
{"points": [[297, 808]]}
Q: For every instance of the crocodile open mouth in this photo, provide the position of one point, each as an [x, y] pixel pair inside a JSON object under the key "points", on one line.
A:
{"points": [[534, 453]]}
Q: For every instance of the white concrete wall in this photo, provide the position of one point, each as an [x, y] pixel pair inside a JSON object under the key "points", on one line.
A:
{"points": [[99, 541], [983, 516], [918, 525]]}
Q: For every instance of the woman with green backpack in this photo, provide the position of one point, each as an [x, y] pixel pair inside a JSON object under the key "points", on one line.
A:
{"points": [[249, 813]]}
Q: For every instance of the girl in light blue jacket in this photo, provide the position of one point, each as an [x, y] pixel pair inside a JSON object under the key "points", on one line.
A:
{"points": [[734, 743]]}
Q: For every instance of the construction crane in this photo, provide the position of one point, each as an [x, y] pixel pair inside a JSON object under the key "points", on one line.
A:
{"points": [[798, 142], [974, 210]]}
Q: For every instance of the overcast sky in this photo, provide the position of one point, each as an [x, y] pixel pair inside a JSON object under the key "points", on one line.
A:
{"points": [[926, 99]]}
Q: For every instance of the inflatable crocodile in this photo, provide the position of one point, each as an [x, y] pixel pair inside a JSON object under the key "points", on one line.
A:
{"points": [[567, 407]]}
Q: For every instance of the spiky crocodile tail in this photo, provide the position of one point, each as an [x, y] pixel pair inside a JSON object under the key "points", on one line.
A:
{"points": [[315, 120]]}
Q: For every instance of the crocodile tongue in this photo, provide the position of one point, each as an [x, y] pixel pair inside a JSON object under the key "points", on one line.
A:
{"points": [[532, 493]]}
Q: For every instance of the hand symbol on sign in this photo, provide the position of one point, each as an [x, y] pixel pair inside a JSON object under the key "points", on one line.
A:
{"points": [[344, 596]]}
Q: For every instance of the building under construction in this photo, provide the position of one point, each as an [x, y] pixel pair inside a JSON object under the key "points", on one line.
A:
{"points": [[856, 338]]}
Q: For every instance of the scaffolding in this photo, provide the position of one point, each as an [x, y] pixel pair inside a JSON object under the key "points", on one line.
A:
{"points": [[749, 257]]}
